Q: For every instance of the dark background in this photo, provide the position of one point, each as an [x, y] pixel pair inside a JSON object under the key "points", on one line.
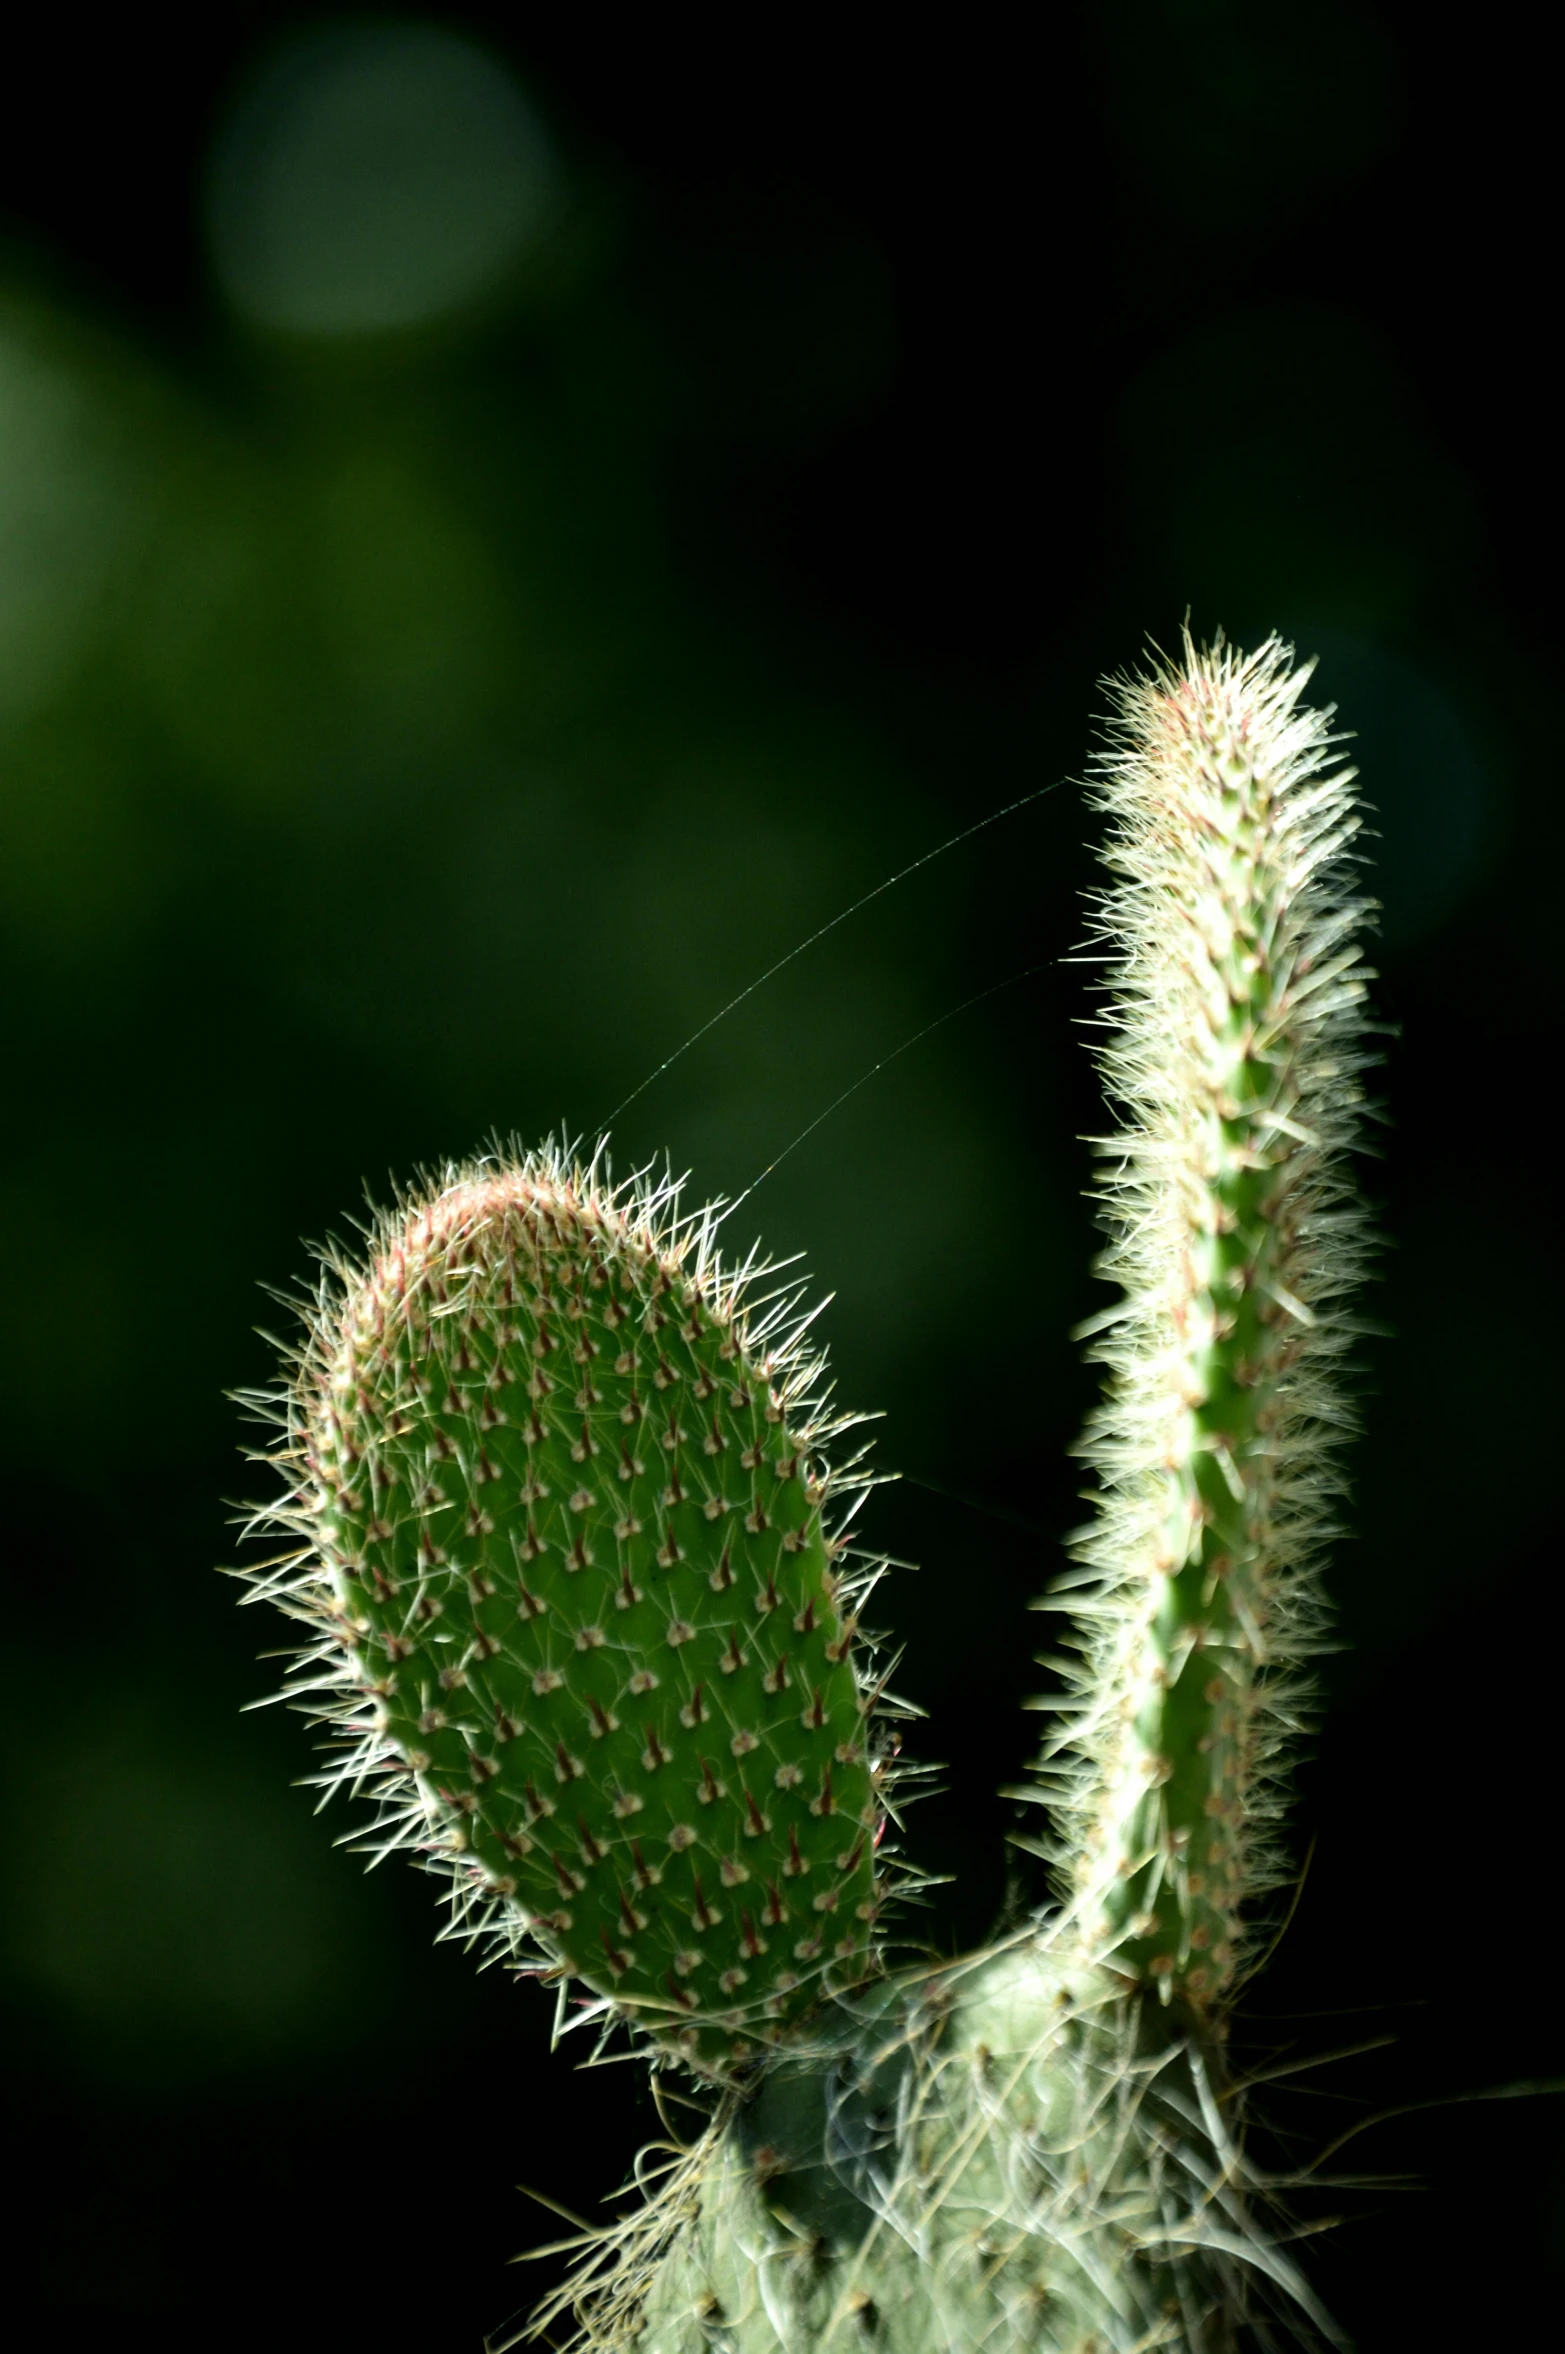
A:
{"points": [[406, 736]]}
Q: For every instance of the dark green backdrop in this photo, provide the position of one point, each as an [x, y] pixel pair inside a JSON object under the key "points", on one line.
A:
{"points": [[409, 736]]}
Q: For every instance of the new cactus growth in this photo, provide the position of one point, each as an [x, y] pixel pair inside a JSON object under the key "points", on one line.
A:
{"points": [[1234, 1053], [578, 1611]]}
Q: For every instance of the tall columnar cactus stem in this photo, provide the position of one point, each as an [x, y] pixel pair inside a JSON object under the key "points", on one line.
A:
{"points": [[578, 1608], [1234, 1053]]}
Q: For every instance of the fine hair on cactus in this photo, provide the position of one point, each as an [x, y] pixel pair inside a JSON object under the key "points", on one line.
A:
{"points": [[569, 1538]]}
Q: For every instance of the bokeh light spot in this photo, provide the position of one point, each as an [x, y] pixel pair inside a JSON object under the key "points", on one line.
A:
{"points": [[61, 522], [376, 178]]}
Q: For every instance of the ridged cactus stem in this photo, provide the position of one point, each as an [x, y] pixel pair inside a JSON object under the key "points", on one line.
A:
{"points": [[1233, 1054]]}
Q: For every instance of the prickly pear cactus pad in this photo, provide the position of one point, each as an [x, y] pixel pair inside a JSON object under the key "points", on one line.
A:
{"points": [[581, 1621]]}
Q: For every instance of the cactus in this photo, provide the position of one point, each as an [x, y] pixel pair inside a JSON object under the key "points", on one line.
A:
{"points": [[582, 1615]]}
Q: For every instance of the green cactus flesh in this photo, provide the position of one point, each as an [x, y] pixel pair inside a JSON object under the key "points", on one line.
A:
{"points": [[566, 1529]]}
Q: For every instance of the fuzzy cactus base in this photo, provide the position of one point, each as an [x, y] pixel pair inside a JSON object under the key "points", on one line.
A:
{"points": [[1005, 2152]]}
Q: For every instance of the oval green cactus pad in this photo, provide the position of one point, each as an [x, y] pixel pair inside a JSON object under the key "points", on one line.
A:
{"points": [[564, 1503]]}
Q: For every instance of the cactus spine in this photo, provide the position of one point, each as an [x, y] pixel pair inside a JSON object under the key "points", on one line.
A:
{"points": [[576, 1608]]}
